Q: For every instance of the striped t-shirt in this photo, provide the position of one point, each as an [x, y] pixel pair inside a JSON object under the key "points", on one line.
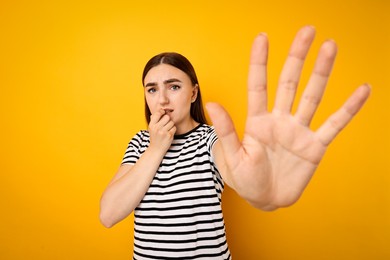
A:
{"points": [[180, 216]]}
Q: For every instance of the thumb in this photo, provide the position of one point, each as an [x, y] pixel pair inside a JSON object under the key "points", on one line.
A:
{"points": [[224, 127]]}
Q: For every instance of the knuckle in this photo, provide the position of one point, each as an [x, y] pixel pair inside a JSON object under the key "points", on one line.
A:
{"points": [[311, 99], [289, 84]]}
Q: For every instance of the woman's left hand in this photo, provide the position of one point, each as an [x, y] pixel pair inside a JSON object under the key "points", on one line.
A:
{"points": [[279, 153]]}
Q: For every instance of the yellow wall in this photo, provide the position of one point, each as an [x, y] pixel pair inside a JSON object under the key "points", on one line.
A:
{"points": [[71, 99]]}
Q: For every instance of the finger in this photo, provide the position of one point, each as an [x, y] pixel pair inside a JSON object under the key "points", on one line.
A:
{"points": [[257, 76], [169, 125], [163, 121], [170, 128], [315, 88], [336, 122], [154, 118], [291, 71], [225, 129], [172, 131]]}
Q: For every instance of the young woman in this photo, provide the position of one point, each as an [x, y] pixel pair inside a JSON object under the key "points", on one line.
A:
{"points": [[172, 175]]}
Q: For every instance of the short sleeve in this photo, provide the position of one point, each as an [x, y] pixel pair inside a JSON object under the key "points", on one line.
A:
{"points": [[136, 148], [211, 139]]}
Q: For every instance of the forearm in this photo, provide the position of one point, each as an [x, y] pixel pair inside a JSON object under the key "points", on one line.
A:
{"points": [[124, 193]]}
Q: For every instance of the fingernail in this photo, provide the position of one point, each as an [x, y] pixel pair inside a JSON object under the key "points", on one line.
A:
{"points": [[368, 85], [311, 26]]}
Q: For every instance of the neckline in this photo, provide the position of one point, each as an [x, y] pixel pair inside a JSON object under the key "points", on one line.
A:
{"points": [[187, 133]]}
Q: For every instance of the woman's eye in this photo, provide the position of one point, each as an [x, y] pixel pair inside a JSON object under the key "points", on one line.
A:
{"points": [[175, 87], [151, 90]]}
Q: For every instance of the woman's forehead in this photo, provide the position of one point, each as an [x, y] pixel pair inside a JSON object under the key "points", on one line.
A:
{"points": [[163, 72]]}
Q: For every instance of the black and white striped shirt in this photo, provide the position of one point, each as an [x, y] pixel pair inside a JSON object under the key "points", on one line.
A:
{"points": [[180, 216]]}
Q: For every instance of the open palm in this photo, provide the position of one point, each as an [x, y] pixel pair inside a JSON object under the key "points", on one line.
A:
{"points": [[273, 163]]}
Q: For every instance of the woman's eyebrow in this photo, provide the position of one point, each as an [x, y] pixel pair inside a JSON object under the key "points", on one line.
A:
{"points": [[153, 84], [171, 81]]}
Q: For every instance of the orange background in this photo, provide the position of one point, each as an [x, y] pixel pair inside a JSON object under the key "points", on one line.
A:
{"points": [[71, 98]]}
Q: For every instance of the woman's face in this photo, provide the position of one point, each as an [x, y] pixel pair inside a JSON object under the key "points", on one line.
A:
{"points": [[170, 89]]}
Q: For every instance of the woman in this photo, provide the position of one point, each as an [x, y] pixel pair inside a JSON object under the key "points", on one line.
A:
{"points": [[175, 187]]}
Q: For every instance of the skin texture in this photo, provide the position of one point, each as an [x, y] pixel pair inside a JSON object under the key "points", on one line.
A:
{"points": [[273, 163], [279, 153]]}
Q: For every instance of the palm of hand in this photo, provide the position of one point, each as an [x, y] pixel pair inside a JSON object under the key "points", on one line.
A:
{"points": [[282, 153], [279, 153]]}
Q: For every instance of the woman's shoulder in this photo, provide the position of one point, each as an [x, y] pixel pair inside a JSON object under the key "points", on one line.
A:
{"points": [[141, 135], [206, 132], [208, 129]]}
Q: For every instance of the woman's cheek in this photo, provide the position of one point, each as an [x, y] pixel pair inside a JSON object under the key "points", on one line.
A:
{"points": [[152, 108]]}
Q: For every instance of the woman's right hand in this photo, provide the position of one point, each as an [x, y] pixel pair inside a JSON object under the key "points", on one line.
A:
{"points": [[161, 130], [131, 182]]}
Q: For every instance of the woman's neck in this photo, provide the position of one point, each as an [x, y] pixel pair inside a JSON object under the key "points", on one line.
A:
{"points": [[184, 128]]}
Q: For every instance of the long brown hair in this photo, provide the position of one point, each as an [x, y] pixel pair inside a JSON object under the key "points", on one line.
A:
{"points": [[182, 63]]}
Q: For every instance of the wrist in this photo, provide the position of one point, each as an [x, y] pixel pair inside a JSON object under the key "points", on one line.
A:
{"points": [[157, 150]]}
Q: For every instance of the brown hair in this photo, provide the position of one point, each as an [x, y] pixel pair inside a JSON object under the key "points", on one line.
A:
{"points": [[182, 63]]}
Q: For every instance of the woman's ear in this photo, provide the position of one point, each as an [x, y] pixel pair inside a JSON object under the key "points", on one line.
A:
{"points": [[195, 90]]}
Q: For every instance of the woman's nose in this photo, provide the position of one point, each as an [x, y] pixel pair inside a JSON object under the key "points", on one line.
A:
{"points": [[163, 98]]}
